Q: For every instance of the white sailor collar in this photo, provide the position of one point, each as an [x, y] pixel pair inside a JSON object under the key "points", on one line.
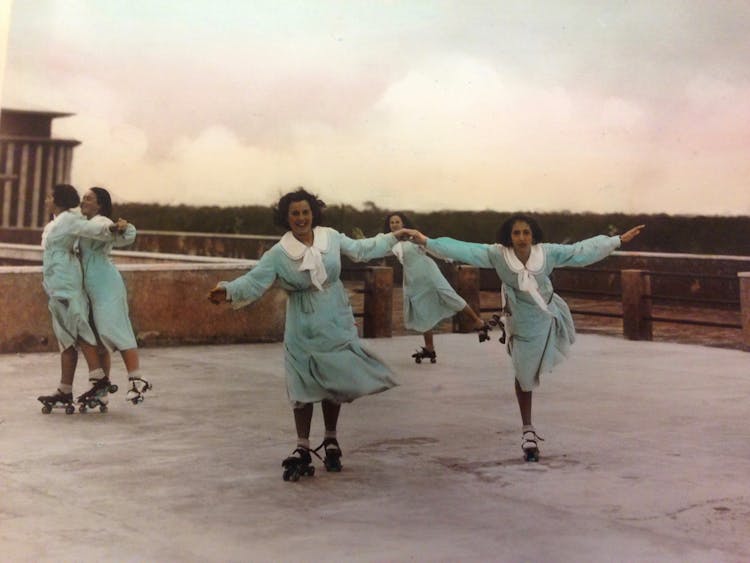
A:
{"points": [[526, 273], [296, 249], [57, 219], [535, 263]]}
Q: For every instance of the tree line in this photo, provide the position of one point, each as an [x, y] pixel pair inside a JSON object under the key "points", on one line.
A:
{"points": [[664, 233]]}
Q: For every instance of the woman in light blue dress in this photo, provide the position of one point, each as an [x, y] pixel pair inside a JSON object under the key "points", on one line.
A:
{"points": [[324, 359], [538, 322], [68, 304], [106, 289], [428, 297]]}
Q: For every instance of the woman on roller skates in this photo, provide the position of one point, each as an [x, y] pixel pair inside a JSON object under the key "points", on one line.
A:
{"points": [[324, 360], [540, 327], [68, 305], [105, 288], [428, 297]]}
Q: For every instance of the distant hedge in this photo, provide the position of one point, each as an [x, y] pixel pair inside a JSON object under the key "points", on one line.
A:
{"points": [[664, 233]]}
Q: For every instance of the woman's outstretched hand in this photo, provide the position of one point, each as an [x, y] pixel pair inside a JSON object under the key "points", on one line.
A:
{"points": [[119, 226], [402, 234], [412, 235], [217, 295], [632, 233]]}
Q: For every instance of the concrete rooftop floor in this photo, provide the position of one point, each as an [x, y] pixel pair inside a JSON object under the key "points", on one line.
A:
{"points": [[646, 458]]}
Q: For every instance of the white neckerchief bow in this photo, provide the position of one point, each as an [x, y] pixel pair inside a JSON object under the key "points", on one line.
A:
{"points": [[311, 256], [526, 280]]}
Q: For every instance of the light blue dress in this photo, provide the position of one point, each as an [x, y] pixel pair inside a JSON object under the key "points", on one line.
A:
{"points": [[540, 326], [103, 283], [428, 297], [324, 358], [63, 280]]}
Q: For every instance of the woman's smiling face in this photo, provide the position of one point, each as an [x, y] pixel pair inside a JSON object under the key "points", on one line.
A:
{"points": [[300, 218], [89, 204], [395, 223]]}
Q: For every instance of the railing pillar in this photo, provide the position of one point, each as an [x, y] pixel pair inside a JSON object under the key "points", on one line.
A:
{"points": [[745, 307], [636, 305], [466, 283], [378, 307]]}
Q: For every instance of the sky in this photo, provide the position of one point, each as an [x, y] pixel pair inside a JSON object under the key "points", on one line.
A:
{"points": [[600, 105]]}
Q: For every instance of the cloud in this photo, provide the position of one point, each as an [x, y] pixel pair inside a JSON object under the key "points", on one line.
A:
{"points": [[612, 106], [454, 133]]}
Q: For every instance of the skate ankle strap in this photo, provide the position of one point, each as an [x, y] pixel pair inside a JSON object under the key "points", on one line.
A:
{"points": [[533, 436], [302, 450], [327, 442]]}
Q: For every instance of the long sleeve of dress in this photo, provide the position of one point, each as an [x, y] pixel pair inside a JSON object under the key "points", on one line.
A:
{"points": [[252, 285], [127, 238], [363, 250], [472, 253], [582, 253], [94, 228]]}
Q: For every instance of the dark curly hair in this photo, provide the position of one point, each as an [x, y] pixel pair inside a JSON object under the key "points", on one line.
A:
{"points": [[404, 219], [281, 209], [104, 200], [65, 196], [504, 232]]}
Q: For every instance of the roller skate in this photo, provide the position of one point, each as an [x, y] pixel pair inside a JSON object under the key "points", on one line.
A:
{"points": [[483, 336], [424, 353], [298, 464], [97, 395], [137, 389], [332, 459], [496, 321], [529, 444], [58, 400]]}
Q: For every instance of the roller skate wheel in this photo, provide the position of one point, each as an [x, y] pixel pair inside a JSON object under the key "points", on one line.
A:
{"points": [[418, 360], [46, 409], [289, 472], [82, 409], [332, 460], [113, 388], [70, 409], [103, 408], [433, 361]]}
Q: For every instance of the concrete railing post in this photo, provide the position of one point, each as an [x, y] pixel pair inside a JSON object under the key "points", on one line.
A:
{"points": [[636, 305], [466, 283], [745, 307], [378, 313]]}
